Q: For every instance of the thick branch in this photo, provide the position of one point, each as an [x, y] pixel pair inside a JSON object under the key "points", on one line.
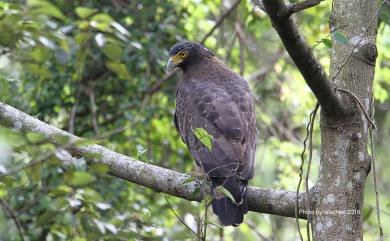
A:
{"points": [[277, 202], [303, 57]]}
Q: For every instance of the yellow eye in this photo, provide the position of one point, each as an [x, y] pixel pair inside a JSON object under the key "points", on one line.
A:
{"points": [[183, 54]]}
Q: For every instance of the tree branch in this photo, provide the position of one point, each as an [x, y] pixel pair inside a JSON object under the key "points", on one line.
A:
{"points": [[11, 213], [303, 58], [296, 7], [277, 202], [220, 20]]}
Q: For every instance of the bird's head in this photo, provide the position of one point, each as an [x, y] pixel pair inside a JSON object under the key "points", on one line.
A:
{"points": [[184, 54]]}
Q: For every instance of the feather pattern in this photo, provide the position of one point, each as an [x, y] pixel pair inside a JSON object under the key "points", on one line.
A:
{"points": [[212, 97]]}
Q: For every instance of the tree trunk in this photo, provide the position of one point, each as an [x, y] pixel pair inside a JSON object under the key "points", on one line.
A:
{"points": [[337, 198]]}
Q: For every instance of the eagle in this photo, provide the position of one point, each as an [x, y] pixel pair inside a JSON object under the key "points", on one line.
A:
{"points": [[213, 98]]}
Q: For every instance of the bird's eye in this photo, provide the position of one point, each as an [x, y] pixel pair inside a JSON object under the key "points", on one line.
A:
{"points": [[183, 54]]}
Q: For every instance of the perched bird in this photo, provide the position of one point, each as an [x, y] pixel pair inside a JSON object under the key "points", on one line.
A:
{"points": [[213, 97]]}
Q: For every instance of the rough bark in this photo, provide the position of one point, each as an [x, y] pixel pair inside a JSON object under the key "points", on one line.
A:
{"points": [[277, 202], [336, 201], [345, 161]]}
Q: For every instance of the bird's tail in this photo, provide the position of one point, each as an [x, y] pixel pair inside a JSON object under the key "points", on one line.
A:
{"points": [[229, 212]]}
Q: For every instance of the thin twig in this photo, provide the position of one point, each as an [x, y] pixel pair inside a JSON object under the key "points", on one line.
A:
{"points": [[157, 85], [358, 43], [308, 128], [73, 113], [373, 126], [378, 209], [92, 100], [311, 123], [221, 234], [37, 160], [241, 42], [255, 229], [296, 7], [283, 132], [378, 215], [205, 218], [181, 220], [18, 225], [265, 69], [220, 20]]}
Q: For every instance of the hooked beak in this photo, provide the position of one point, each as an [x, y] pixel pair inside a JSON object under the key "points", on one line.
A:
{"points": [[171, 64]]}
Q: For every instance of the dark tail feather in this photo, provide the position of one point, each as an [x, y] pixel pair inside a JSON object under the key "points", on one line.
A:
{"points": [[228, 212]]}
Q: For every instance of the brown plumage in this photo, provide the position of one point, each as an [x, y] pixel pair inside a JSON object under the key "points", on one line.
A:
{"points": [[213, 97]]}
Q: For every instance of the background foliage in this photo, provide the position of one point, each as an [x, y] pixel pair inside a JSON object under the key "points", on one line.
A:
{"points": [[96, 69]]}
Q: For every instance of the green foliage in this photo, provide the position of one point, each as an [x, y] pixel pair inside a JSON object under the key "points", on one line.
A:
{"points": [[340, 37], [328, 43], [204, 137], [226, 192]]}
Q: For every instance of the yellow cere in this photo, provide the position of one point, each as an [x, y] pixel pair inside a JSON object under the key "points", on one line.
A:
{"points": [[179, 57]]}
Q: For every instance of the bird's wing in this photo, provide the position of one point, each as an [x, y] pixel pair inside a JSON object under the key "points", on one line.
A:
{"points": [[209, 106]]}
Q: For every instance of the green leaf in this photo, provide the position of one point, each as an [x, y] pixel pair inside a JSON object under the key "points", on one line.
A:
{"points": [[61, 139], [35, 137], [91, 155], [384, 15], [119, 69], [45, 7], [327, 42], [196, 192], [4, 88], [61, 190], [84, 142], [103, 18], [81, 178], [367, 211], [204, 137], [35, 171], [84, 12], [112, 51], [80, 239], [41, 54], [82, 38], [100, 168], [102, 22], [223, 190], [3, 190], [188, 180], [92, 196], [340, 38]]}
